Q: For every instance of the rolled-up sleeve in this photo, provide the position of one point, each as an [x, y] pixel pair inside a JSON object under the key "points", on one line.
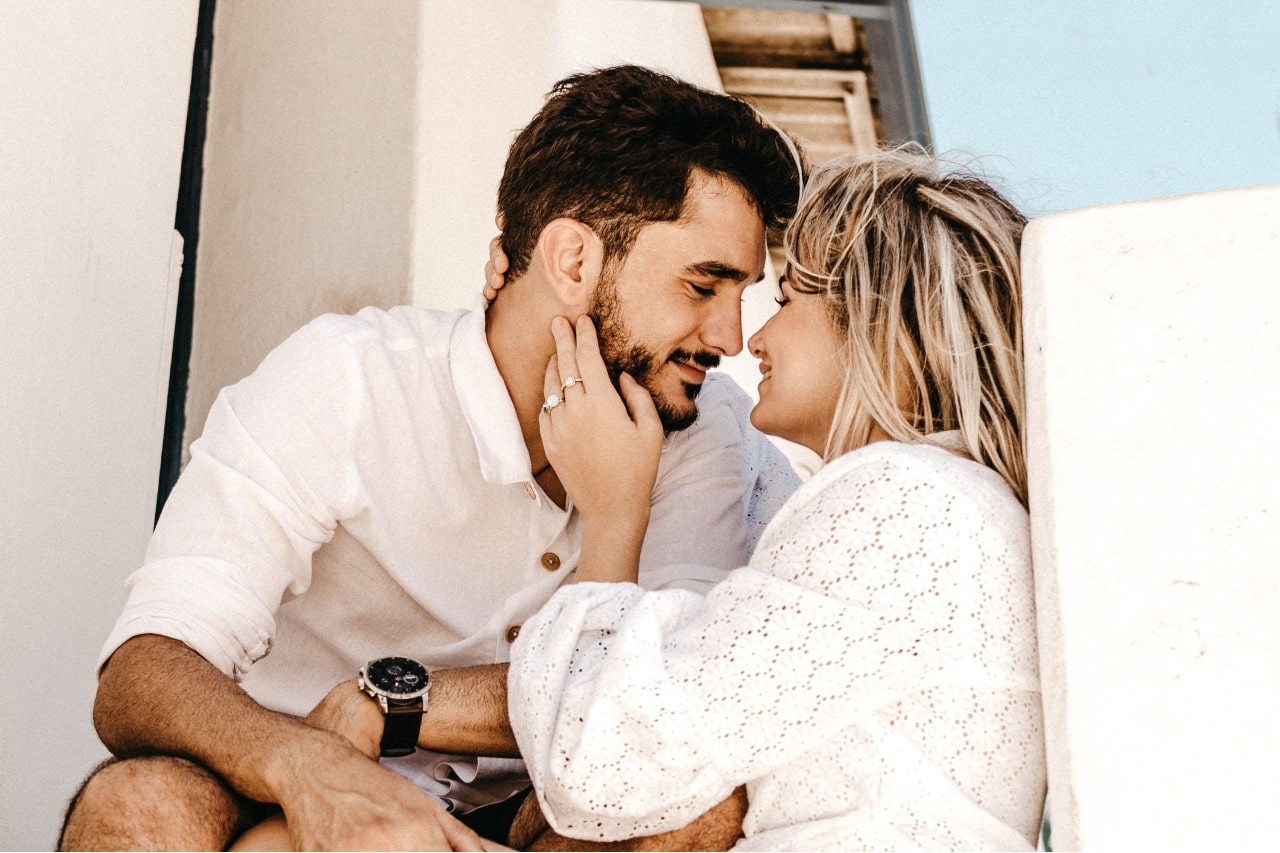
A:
{"points": [[261, 493]]}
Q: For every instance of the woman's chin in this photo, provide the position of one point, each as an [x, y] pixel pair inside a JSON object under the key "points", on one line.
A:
{"points": [[761, 420]]}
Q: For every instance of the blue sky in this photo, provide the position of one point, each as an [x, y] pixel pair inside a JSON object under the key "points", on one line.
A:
{"points": [[1092, 102]]}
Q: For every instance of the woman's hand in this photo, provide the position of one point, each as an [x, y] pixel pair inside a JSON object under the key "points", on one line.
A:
{"points": [[495, 270], [604, 450]]}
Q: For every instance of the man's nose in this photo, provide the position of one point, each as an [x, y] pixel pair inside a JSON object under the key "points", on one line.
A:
{"points": [[722, 331]]}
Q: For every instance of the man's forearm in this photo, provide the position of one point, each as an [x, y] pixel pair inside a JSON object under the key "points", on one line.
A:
{"points": [[158, 695], [467, 713]]}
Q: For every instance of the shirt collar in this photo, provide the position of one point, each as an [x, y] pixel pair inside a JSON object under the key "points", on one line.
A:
{"points": [[486, 403]]}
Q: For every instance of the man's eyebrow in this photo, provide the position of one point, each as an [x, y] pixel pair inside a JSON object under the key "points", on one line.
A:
{"points": [[716, 269]]}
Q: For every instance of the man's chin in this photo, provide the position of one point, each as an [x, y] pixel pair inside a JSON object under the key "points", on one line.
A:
{"points": [[676, 419]]}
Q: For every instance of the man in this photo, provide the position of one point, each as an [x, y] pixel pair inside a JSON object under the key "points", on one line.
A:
{"points": [[378, 488]]}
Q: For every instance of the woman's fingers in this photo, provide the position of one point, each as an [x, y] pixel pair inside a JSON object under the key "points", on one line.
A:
{"points": [[587, 354], [497, 257], [566, 351], [495, 269], [551, 380], [639, 404]]}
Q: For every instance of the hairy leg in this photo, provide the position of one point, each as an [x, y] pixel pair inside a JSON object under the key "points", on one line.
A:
{"points": [[154, 803], [718, 829]]}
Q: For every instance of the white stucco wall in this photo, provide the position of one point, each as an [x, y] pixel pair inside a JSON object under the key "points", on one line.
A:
{"points": [[93, 105], [1153, 349]]}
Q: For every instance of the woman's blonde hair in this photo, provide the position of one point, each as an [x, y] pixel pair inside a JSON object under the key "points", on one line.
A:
{"points": [[919, 264]]}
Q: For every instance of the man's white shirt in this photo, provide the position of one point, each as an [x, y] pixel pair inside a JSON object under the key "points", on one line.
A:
{"points": [[367, 492]]}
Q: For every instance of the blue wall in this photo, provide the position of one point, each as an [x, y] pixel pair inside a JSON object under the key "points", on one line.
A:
{"points": [[1089, 102]]}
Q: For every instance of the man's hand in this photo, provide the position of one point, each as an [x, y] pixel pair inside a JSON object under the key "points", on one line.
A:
{"points": [[337, 798], [346, 710], [365, 805]]}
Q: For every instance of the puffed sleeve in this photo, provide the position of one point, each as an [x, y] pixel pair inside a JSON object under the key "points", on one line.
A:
{"points": [[637, 711]]}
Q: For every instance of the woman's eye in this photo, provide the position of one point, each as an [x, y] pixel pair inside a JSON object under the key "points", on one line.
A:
{"points": [[704, 292]]}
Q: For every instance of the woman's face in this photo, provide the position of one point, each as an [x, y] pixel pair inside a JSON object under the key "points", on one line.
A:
{"points": [[801, 370]]}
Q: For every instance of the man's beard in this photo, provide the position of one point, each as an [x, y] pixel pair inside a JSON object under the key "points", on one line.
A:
{"points": [[622, 355]]}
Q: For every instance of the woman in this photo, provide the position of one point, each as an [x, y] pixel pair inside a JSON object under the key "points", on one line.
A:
{"points": [[871, 676]]}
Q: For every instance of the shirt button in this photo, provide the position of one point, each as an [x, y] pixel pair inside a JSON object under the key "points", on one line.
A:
{"points": [[550, 561], [512, 633]]}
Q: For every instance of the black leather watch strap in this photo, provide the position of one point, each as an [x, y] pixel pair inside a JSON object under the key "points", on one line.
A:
{"points": [[401, 725]]}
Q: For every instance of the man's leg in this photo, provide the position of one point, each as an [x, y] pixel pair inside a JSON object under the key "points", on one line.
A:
{"points": [[155, 803], [718, 829]]}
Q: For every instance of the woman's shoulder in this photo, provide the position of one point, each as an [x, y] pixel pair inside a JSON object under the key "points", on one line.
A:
{"points": [[896, 464], [896, 511], [891, 478]]}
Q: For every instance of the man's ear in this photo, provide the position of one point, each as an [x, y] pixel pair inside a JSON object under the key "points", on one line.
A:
{"points": [[572, 256]]}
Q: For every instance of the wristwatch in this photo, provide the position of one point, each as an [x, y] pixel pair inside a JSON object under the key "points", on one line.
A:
{"points": [[399, 686]]}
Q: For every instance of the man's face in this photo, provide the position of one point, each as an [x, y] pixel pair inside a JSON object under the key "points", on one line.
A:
{"points": [[674, 305]]}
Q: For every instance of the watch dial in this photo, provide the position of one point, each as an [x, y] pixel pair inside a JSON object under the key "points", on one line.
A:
{"points": [[397, 676]]}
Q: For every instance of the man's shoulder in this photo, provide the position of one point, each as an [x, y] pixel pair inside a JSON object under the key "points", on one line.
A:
{"points": [[722, 404], [722, 386], [398, 327], [724, 420], [336, 353]]}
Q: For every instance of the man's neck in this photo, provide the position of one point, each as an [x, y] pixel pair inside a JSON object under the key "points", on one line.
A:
{"points": [[518, 328]]}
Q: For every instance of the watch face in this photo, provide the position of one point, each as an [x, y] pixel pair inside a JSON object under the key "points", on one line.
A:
{"points": [[398, 678]]}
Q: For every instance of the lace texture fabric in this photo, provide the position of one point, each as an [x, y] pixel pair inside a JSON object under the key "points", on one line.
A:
{"points": [[775, 479], [871, 676]]}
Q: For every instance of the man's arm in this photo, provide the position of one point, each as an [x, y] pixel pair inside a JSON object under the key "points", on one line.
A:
{"points": [[466, 714], [157, 695]]}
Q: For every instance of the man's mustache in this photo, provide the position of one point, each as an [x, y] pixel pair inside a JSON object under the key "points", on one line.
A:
{"points": [[706, 360]]}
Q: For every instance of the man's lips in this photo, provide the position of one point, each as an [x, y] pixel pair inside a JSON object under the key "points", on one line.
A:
{"points": [[690, 372], [693, 367]]}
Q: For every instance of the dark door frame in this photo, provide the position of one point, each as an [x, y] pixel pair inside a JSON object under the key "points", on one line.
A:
{"points": [[186, 221]]}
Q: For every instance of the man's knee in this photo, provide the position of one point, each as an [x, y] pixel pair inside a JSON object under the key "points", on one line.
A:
{"points": [[153, 802]]}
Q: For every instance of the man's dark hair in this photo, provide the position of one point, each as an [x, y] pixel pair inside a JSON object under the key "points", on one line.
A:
{"points": [[616, 148]]}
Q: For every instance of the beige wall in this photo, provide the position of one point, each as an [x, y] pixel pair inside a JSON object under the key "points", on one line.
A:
{"points": [[486, 67], [308, 181], [92, 113], [481, 80], [1153, 352]]}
